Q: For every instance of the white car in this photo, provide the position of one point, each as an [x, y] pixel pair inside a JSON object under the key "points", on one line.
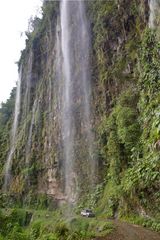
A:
{"points": [[87, 213]]}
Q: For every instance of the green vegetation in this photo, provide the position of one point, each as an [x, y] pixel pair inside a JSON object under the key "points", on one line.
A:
{"points": [[6, 117], [126, 99], [129, 139], [126, 65], [38, 225]]}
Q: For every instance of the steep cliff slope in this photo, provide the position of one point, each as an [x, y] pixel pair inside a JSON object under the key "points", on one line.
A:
{"points": [[101, 144]]}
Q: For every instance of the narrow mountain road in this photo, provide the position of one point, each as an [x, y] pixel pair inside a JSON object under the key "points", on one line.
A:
{"points": [[126, 231]]}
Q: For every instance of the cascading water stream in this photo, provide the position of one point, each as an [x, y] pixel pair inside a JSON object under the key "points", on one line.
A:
{"points": [[8, 165], [154, 18], [84, 53], [67, 120], [76, 93], [50, 123], [27, 95], [29, 142]]}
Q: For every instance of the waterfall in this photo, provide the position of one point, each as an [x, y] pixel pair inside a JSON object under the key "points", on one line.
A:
{"points": [[154, 18], [29, 142], [49, 122], [67, 118], [27, 94], [74, 51], [8, 165]]}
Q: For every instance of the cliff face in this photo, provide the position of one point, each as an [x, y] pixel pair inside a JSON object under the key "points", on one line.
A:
{"points": [[53, 151], [35, 159], [123, 100]]}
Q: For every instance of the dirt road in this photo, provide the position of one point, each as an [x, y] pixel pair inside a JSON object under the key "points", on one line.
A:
{"points": [[125, 231]]}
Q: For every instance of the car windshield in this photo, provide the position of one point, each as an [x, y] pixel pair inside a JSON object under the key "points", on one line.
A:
{"points": [[87, 210]]}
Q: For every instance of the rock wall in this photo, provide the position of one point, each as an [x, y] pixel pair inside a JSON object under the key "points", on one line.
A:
{"points": [[124, 79]]}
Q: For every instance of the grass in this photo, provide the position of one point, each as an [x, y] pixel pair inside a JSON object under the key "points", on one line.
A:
{"points": [[51, 225]]}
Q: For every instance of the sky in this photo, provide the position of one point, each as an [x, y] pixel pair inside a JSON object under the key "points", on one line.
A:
{"points": [[14, 17]]}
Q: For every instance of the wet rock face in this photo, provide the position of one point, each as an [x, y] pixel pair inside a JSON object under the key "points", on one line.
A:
{"points": [[50, 121], [101, 56], [37, 137]]}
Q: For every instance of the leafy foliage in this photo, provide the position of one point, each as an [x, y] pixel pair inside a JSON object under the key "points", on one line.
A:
{"points": [[126, 82], [129, 137]]}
